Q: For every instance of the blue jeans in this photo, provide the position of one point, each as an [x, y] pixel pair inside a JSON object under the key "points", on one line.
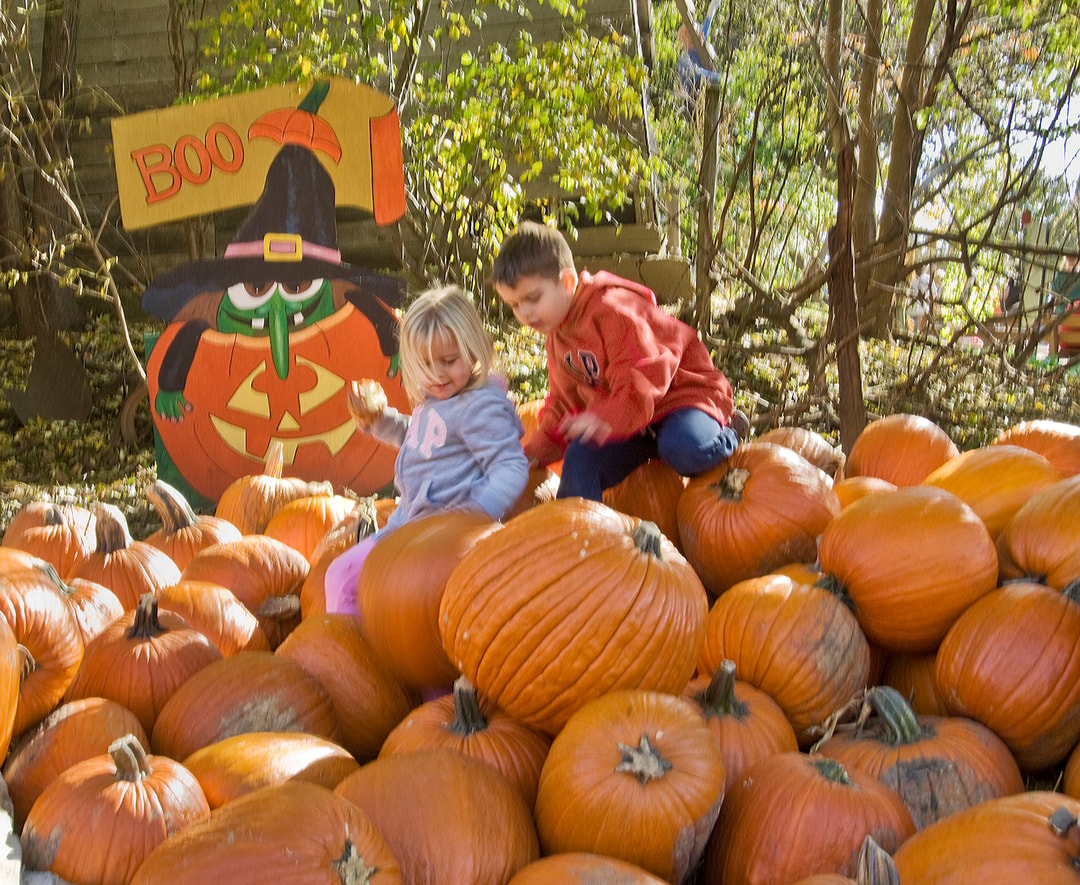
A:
{"points": [[687, 440]]}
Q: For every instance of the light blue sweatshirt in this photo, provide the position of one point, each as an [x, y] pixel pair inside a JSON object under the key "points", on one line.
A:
{"points": [[462, 453]]}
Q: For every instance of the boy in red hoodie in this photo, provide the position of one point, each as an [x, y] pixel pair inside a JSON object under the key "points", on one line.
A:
{"points": [[627, 382]]}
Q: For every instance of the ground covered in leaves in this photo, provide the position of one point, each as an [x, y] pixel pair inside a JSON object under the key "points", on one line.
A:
{"points": [[971, 393]]}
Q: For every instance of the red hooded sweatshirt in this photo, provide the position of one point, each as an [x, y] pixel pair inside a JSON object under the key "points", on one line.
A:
{"points": [[625, 360]]}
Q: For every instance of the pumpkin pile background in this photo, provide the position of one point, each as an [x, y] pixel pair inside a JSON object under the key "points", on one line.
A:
{"points": [[732, 679]]}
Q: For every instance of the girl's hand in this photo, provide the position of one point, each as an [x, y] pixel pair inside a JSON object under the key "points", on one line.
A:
{"points": [[366, 401], [585, 427]]}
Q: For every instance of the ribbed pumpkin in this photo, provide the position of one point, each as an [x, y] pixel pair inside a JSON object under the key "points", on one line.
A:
{"points": [[1056, 441], [61, 534], [937, 764], [745, 722], [72, 732], [995, 481], [50, 646], [911, 561], [902, 449], [1031, 838], [632, 762], [651, 493], [851, 488], [875, 867], [10, 669], [304, 522], [293, 832], [263, 573], [141, 659], [762, 508], [567, 601], [446, 816], [400, 588], [241, 764], [183, 532], [250, 691], [808, 443], [582, 868], [215, 612], [128, 567], [334, 542], [1042, 540], [98, 820], [798, 643], [470, 724], [915, 678], [94, 605], [794, 815], [1012, 662], [249, 502], [529, 413], [368, 701]]}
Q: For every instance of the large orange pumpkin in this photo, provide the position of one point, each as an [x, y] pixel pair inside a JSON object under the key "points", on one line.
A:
{"points": [[61, 534], [902, 449], [215, 612], [567, 601], [937, 764], [799, 643], [651, 492], [184, 533], [1030, 837], [292, 832], [1042, 540], [632, 762], [582, 868], [911, 561], [1012, 662], [1056, 441], [808, 443], [762, 508]]}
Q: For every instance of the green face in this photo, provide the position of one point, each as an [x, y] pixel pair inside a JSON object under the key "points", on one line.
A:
{"points": [[277, 310]]}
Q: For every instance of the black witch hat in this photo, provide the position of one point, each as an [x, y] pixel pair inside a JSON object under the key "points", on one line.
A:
{"points": [[289, 235]]}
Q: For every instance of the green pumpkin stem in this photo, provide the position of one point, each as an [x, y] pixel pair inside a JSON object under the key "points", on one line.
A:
{"points": [[468, 718], [831, 770], [643, 761], [718, 697], [314, 99], [647, 538], [896, 714], [132, 764]]}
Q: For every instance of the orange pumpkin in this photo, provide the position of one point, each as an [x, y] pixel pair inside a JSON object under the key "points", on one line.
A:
{"points": [[582, 868], [470, 724], [251, 500], [1056, 441], [564, 603], [875, 867], [798, 643], [94, 605], [911, 561], [61, 534], [637, 762], [1042, 540], [475, 826], [762, 508], [851, 488], [995, 481], [914, 677], [1012, 662], [368, 701], [238, 765], [808, 443], [304, 522], [99, 819], [10, 662], [529, 413], [652, 493], [756, 838], [215, 612], [301, 125], [937, 764], [902, 449], [184, 533], [289, 832], [1030, 837], [746, 723]]}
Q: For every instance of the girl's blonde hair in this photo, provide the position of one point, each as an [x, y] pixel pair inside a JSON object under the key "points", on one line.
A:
{"points": [[445, 310]]}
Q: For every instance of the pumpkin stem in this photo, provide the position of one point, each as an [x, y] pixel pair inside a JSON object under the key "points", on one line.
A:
{"points": [[1062, 820], [171, 506], [128, 754], [647, 538], [718, 698], [642, 761], [875, 866], [832, 584], [27, 664], [146, 624], [1071, 591], [111, 531], [831, 770], [896, 714], [279, 607], [468, 717], [351, 867], [314, 99], [733, 483], [275, 459], [53, 516]]}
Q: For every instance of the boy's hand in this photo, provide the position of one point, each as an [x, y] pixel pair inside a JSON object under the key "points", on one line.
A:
{"points": [[585, 427], [366, 400]]}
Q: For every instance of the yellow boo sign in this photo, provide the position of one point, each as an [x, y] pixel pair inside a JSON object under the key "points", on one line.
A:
{"points": [[195, 159]]}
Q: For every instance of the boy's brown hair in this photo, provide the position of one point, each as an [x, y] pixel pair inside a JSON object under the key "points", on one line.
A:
{"points": [[531, 249]]}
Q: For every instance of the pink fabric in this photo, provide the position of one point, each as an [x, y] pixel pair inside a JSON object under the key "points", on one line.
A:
{"points": [[341, 576]]}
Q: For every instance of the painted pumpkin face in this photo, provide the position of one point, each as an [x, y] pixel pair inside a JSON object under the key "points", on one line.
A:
{"points": [[241, 400]]}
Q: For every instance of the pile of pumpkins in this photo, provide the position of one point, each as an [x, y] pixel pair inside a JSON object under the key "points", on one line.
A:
{"points": [[796, 668]]}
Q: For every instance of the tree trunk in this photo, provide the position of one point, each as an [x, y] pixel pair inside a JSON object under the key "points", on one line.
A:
{"points": [[863, 221], [42, 305], [706, 239]]}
